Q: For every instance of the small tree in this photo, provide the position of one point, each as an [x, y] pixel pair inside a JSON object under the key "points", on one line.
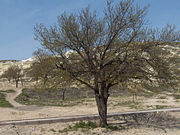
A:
{"points": [[101, 52], [13, 72], [7, 74], [16, 74], [42, 67], [60, 80], [34, 72]]}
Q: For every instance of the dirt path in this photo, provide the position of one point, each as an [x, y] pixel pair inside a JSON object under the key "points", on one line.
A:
{"points": [[11, 96]]}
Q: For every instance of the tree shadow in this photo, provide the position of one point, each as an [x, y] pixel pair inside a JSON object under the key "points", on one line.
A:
{"points": [[160, 120]]}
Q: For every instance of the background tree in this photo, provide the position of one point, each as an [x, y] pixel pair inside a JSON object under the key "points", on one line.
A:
{"points": [[60, 80], [13, 72], [42, 67], [7, 74], [17, 74], [101, 52], [34, 72]]}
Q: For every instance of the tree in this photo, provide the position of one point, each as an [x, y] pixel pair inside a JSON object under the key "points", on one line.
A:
{"points": [[60, 80], [101, 52], [13, 72], [42, 67], [16, 74], [7, 74], [34, 71]]}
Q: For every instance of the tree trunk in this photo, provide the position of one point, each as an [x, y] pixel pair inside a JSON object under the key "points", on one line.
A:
{"points": [[63, 94], [37, 80], [16, 83], [101, 101], [22, 83], [45, 79]]}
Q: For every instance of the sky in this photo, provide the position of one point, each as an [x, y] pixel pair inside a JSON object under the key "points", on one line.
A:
{"points": [[18, 17]]}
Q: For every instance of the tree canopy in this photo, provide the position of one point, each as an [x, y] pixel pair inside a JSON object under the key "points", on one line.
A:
{"points": [[101, 52], [14, 72]]}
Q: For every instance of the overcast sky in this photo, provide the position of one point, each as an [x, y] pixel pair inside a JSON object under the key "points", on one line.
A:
{"points": [[18, 17]]}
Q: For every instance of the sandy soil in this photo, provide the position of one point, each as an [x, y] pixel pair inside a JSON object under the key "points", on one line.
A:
{"points": [[53, 129], [28, 112], [20, 111]]}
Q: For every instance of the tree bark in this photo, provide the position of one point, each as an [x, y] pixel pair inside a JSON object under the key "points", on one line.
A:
{"points": [[63, 94], [101, 101], [45, 79], [22, 83], [17, 83]]}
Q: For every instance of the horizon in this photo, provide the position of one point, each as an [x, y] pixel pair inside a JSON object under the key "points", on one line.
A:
{"points": [[18, 17]]}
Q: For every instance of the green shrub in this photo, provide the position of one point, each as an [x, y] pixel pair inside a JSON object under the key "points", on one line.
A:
{"points": [[162, 97], [8, 91], [89, 125], [80, 125], [3, 102], [53, 130], [161, 106], [176, 96]]}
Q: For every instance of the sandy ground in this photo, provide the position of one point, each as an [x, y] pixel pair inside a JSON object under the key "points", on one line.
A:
{"points": [[53, 129], [28, 112]]}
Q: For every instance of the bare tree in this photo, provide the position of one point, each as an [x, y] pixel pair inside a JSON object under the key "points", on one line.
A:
{"points": [[101, 52]]}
